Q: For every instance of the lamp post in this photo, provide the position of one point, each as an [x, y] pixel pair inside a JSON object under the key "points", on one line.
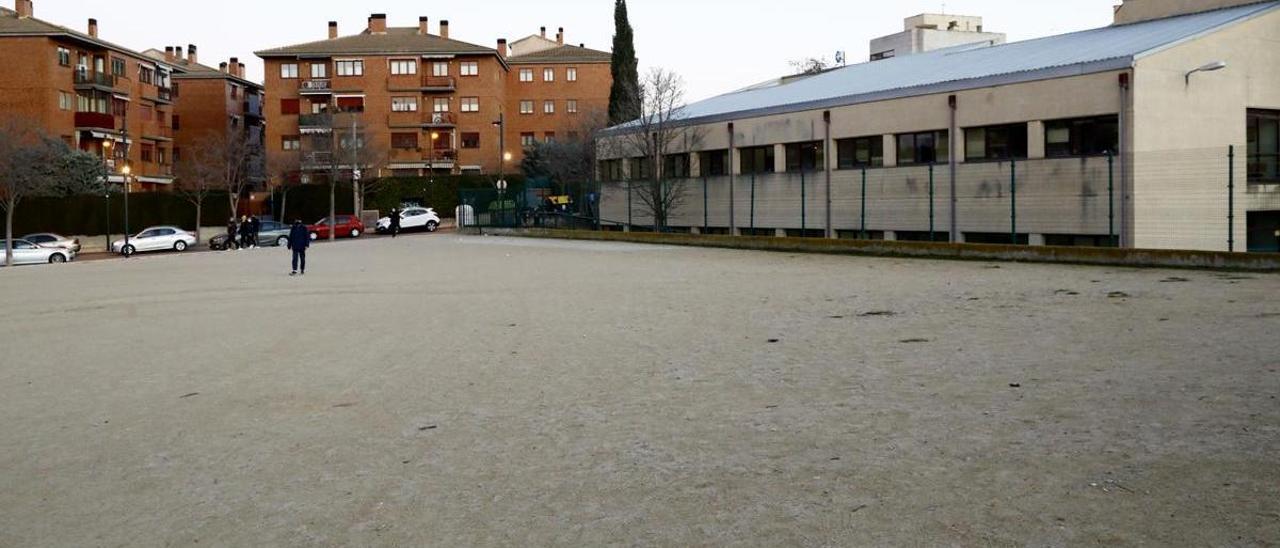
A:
{"points": [[106, 187], [431, 167], [125, 171]]}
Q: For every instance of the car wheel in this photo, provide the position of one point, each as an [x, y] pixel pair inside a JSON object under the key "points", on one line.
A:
{"points": [[128, 250], [432, 226], [315, 236], [57, 258], [355, 233], [180, 246], [283, 241]]}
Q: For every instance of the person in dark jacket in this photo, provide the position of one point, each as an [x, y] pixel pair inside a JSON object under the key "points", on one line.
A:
{"points": [[299, 241], [246, 228], [395, 222], [231, 233], [255, 226]]}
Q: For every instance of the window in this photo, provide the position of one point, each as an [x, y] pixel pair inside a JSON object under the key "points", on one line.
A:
{"points": [[995, 142], [319, 105], [404, 104], [118, 66], [404, 141], [470, 104], [469, 68], [548, 107], [571, 106], [403, 66], [611, 170], [526, 75], [350, 68], [548, 75], [289, 71], [571, 74], [549, 136], [146, 75], [118, 107], [1082, 137], [860, 152], [65, 101], [675, 166], [148, 113], [64, 56], [235, 91], [470, 140], [923, 148], [176, 126], [528, 139], [1263, 145], [440, 68], [440, 104], [756, 160], [319, 70], [805, 156], [641, 169], [526, 107], [713, 163], [289, 106], [880, 56], [290, 142], [148, 153], [160, 157], [351, 104]]}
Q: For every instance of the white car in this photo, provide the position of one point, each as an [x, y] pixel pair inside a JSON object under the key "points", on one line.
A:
{"points": [[25, 252], [49, 239], [156, 238], [412, 218]]}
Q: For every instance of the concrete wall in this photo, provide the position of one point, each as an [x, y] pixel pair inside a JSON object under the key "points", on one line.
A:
{"points": [[1132, 11]]}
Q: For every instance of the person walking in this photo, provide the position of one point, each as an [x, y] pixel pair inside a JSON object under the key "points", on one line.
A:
{"points": [[231, 233], [299, 241], [255, 226], [395, 222], [246, 228]]}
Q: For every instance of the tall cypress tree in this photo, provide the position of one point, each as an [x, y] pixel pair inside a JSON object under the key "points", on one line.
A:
{"points": [[624, 97]]}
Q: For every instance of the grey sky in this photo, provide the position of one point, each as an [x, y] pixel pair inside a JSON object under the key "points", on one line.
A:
{"points": [[717, 45]]}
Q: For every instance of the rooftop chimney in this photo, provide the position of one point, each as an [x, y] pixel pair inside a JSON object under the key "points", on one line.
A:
{"points": [[333, 29], [544, 32], [422, 26], [177, 53], [378, 23], [502, 48], [222, 66], [93, 25], [191, 53], [240, 70], [168, 54], [234, 66], [24, 8], [560, 36], [444, 29]]}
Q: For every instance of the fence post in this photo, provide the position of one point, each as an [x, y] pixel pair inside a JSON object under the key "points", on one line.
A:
{"points": [[931, 212], [862, 231], [803, 221], [1013, 201], [753, 204], [628, 205], [706, 223], [1231, 198], [1111, 199]]}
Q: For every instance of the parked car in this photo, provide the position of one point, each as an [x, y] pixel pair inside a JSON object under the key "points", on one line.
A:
{"points": [[156, 238], [412, 218], [345, 226], [25, 252], [271, 233], [49, 239]]}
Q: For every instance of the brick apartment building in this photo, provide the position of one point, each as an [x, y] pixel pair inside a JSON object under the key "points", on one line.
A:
{"points": [[97, 96], [432, 102]]}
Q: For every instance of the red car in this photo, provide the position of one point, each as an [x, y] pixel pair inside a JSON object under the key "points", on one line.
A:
{"points": [[346, 226]]}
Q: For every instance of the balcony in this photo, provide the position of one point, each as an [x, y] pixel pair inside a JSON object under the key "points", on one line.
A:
{"points": [[439, 84], [166, 94], [86, 80], [95, 120], [317, 160], [315, 121], [441, 119], [253, 107], [316, 86]]}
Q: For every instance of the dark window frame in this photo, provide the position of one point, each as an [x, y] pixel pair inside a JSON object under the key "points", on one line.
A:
{"points": [[758, 160], [805, 157], [847, 152], [713, 163], [1088, 136], [676, 166], [1256, 158], [938, 152], [1001, 143]]}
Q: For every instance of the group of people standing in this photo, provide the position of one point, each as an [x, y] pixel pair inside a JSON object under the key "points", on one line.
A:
{"points": [[243, 234]]}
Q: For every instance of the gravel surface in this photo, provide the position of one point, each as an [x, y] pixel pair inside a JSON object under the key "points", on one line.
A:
{"points": [[460, 391]]}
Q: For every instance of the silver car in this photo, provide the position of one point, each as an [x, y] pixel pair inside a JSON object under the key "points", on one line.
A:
{"points": [[49, 239], [25, 252]]}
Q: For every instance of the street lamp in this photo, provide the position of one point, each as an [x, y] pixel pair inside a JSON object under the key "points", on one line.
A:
{"points": [[106, 186], [1210, 67], [125, 171], [435, 136]]}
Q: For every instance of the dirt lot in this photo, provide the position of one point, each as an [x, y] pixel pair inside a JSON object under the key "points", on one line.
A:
{"points": [[454, 391]]}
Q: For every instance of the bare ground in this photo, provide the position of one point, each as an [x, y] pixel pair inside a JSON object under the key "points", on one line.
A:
{"points": [[451, 391]]}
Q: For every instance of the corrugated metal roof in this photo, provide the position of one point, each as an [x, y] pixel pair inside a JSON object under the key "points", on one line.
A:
{"points": [[968, 67]]}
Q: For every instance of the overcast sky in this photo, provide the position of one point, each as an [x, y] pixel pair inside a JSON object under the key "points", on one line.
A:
{"points": [[716, 45]]}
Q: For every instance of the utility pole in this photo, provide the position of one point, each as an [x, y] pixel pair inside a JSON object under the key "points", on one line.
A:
{"points": [[355, 169]]}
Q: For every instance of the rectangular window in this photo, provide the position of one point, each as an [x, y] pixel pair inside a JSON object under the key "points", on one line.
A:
{"points": [[469, 68], [65, 101], [1095, 136], [528, 139], [319, 70], [146, 75], [526, 75], [571, 106], [64, 56], [289, 71], [404, 141], [641, 169], [928, 147], [118, 67], [289, 106], [470, 140], [526, 107], [403, 66], [439, 69], [235, 91], [995, 142], [404, 104], [713, 163], [350, 68], [176, 126], [290, 142], [548, 75], [148, 153], [119, 107], [1263, 136], [351, 104], [470, 104], [549, 136], [611, 170], [806, 156], [440, 104], [675, 166], [548, 107], [756, 160], [571, 74], [860, 152]]}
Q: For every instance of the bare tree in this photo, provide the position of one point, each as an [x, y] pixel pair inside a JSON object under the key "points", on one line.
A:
{"points": [[283, 172], [661, 130], [230, 163], [200, 172], [568, 162]]}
